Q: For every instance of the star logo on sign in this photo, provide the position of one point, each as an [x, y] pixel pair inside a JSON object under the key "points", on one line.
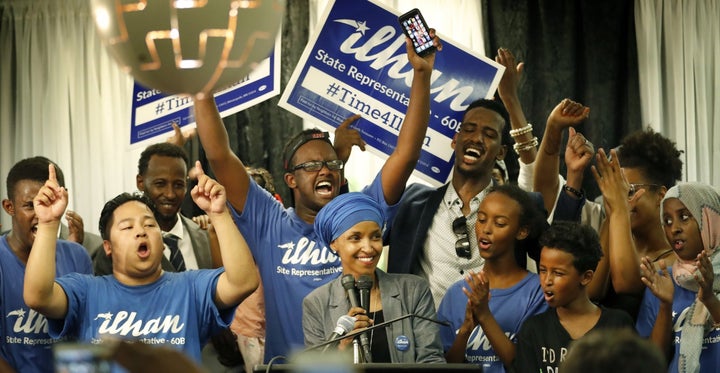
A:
{"points": [[360, 26]]}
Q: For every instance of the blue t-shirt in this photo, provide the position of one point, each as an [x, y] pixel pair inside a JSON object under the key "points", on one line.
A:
{"points": [[510, 307], [682, 300], [26, 345], [177, 310], [290, 261]]}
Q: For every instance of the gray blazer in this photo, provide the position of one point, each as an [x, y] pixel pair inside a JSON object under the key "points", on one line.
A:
{"points": [[400, 294], [102, 264]]}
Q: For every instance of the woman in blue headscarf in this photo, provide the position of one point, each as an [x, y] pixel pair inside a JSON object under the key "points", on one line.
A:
{"points": [[352, 226]]}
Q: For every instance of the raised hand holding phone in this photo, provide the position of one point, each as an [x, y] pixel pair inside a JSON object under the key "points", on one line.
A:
{"points": [[414, 27]]}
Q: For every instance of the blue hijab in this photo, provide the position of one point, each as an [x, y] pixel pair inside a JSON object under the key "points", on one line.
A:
{"points": [[343, 212]]}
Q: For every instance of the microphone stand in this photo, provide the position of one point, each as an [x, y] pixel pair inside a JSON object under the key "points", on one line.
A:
{"points": [[357, 332]]}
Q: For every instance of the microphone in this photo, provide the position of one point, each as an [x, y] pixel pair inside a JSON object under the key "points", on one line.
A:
{"points": [[354, 333], [364, 284], [344, 325], [348, 283]]}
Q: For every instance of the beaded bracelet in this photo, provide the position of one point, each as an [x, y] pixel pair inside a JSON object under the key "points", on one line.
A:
{"points": [[525, 146], [575, 192], [521, 131]]}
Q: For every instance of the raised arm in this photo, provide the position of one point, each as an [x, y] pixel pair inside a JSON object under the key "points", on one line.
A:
{"points": [[179, 136], [401, 163], [240, 277], [547, 163], [705, 279], [579, 153], [345, 138], [597, 289], [622, 255], [40, 290], [228, 168], [508, 91], [205, 224]]}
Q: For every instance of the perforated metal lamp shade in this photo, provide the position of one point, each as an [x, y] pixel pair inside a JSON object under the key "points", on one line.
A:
{"points": [[188, 46]]}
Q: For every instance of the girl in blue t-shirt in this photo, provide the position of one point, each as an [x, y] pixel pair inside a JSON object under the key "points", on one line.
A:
{"points": [[487, 309], [683, 310]]}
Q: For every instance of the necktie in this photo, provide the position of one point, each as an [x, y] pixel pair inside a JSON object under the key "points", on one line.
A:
{"points": [[176, 258]]}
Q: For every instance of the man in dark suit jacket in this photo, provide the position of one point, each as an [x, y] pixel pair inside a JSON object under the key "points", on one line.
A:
{"points": [[433, 232]]}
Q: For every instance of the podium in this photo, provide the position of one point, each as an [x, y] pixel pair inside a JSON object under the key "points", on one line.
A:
{"points": [[369, 368]]}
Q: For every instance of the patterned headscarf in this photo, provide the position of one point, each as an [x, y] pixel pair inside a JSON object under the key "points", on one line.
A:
{"points": [[343, 212], [703, 202]]}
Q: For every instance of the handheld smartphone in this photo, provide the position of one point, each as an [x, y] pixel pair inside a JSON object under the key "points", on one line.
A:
{"points": [[73, 357], [414, 26]]}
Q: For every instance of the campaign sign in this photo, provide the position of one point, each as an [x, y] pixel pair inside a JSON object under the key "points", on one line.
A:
{"points": [[357, 63], [153, 112]]}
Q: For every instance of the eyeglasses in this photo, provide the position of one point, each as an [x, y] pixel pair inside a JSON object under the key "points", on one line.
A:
{"points": [[635, 187], [462, 245], [314, 166]]}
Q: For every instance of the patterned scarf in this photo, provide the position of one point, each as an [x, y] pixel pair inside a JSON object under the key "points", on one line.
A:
{"points": [[703, 202]]}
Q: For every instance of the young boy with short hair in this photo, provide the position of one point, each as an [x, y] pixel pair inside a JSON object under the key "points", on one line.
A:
{"points": [[570, 254]]}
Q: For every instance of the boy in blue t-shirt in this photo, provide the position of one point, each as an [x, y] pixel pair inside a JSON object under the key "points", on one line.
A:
{"points": [[139, 300], [26, 345]]}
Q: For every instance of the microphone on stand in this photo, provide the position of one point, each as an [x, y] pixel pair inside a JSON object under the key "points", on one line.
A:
{"points": [[364, 284], [354, 333], [348, 283], [344, 325]]}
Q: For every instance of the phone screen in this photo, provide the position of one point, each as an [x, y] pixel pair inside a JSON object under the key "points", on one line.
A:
{"points": [[414, 26], [80, 358]]}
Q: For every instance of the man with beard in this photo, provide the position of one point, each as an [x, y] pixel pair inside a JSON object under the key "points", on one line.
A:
{"points": [[433, 232], [162, 176]]}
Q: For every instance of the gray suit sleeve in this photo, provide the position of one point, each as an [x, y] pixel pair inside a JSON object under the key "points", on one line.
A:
{"points": [[428, 347], [312, 319]]}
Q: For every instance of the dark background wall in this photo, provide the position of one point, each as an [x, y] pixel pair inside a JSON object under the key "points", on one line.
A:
{"points": [[257, 135], [582, 50]]}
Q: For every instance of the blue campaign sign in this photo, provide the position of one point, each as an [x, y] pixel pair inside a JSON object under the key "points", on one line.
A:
{"points": [[153, 112], [356, 63]]}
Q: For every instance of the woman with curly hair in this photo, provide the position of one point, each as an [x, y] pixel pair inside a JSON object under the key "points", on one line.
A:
{"points": [[633, 180]]}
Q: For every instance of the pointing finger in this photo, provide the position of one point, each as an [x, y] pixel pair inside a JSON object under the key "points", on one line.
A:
{"points": [[51, 173], [346, 123], [199, 169]]}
